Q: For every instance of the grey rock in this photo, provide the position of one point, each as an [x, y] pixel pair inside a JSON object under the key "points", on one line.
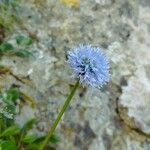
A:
{"points": [[116, 117]]}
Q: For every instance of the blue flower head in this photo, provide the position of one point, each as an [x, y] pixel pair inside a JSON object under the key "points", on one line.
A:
{"points": [[90, 65]]}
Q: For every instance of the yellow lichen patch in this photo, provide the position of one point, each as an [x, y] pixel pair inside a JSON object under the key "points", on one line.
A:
{"points": [[4, 70], [70, 2], [28, 100]]}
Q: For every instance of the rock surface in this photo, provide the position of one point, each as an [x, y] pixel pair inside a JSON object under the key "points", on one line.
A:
{"points": [[117, 117]]}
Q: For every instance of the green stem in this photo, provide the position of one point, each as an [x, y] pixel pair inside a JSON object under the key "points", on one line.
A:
{"points": [[66, 104]]}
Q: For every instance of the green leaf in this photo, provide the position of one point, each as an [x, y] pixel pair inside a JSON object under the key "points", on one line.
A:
{"points": [[10, 109], [28, 125], [7, 122], [23, 53], [54, 139], [8, 145], [39, 139], [10, 131], [4, 47], [12, 3], [29, 138], [32, 147], [21, 40], [13, 94]]}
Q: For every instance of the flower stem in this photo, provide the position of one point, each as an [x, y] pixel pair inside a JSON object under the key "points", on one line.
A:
{"points": [[66, 104]]}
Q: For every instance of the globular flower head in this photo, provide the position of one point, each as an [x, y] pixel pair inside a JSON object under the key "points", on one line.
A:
{"points": [[90, 65]]}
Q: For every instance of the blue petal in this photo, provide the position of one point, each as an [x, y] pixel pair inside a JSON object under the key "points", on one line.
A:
{"points": [[90, 65]]}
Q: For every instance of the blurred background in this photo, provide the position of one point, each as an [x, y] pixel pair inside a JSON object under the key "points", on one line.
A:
{"points": [[35, 36]]}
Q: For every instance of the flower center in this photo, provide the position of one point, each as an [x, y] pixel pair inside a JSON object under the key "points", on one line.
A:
{"points": [[86, 66], [85, 61]]}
